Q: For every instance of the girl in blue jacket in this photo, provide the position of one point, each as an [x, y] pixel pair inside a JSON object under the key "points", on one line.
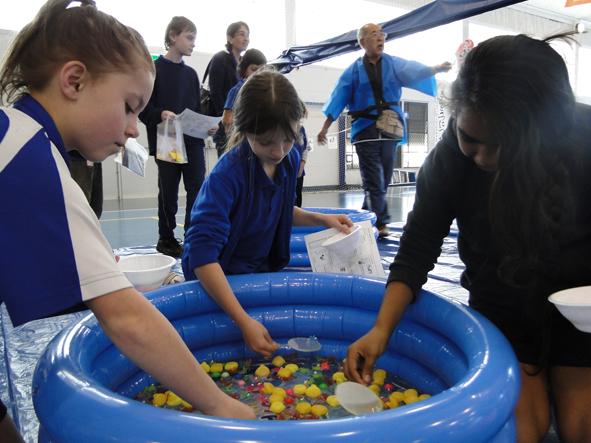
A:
{"points": [[241, 221]]}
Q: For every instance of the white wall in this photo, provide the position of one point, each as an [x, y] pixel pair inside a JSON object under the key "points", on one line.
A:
{"points": [[5, 39]]}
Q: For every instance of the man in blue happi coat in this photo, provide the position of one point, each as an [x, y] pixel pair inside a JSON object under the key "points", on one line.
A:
{"points": [[371, 88]]}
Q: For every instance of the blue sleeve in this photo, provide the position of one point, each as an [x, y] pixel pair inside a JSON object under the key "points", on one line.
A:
{"points": [[414, 75], [232, 96], [210, 223], [341, 95]]}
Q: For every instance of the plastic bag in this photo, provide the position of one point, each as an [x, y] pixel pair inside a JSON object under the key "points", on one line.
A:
{"points": [[170, 145], [133, 157]]}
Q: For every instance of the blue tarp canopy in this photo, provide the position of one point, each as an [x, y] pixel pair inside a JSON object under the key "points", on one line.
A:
{"points": [[436, 13]]}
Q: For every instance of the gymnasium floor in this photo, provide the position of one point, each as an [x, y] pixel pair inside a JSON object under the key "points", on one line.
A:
{"points": [[136, 223]]}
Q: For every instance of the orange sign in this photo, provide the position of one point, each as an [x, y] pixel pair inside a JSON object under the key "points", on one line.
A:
{"points": [[576, 2]]}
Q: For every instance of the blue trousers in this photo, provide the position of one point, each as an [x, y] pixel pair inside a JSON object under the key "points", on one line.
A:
{"points": [[169, 177], [376, 164]]}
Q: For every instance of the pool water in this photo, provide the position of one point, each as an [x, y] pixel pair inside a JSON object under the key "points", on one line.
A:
{"points": [[290, 387]]}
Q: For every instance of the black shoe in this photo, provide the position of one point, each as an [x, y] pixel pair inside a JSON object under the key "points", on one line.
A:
{"points": [[170, 246], [383, 231]]}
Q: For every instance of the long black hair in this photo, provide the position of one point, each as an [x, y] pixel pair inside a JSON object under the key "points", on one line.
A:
{"points": [[520, 87]]}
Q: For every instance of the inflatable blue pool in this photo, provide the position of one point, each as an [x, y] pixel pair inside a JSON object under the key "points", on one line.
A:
{"points": [[82, 384]]}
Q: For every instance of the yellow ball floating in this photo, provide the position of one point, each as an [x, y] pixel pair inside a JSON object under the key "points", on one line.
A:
{"points": [[333, 401], [274, 398], [392, 403], [216, 367], [424, 396], [268, 388], [279, 391], [410, 395], [262, 371], [319, 410], [284, 374], [231, 367], [396, 397], [378, 381], [376, 389], [299, 389], [205, 367], [277, 407], [303, 407], [379, 374], [313, 391], [292, 367], [278, 361], [339, 377], [159, 399], [174, 400]]}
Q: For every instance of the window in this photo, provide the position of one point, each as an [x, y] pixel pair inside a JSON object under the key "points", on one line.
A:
{"points": [[351, 159], [417, 126], [583, 89], [479, 33], [567, 51]]}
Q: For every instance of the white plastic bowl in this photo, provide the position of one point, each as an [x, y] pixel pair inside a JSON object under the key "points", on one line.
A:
{"points": [[146, 272], [342, 244], [575, 305]]}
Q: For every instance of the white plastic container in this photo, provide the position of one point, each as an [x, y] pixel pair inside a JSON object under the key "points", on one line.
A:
{"points": [[357, 399], [575, 305], [344, 245], [146, 272]]}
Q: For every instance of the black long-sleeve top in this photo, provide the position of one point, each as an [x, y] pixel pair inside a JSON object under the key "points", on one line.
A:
{"points": [[450, 185], [222, 77], [176, 87]]}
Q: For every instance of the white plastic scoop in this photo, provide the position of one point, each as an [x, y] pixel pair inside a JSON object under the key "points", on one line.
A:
{"points": [[357, 398], [303, 344]]}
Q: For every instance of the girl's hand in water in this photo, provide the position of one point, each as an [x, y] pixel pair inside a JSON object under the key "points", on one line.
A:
{"points": [[362, 355], [258, 338], [232, 408]]}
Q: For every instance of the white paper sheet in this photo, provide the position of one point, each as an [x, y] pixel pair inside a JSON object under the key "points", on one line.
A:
{"points": [[134, 157], [363, 260], [195, 124]]}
